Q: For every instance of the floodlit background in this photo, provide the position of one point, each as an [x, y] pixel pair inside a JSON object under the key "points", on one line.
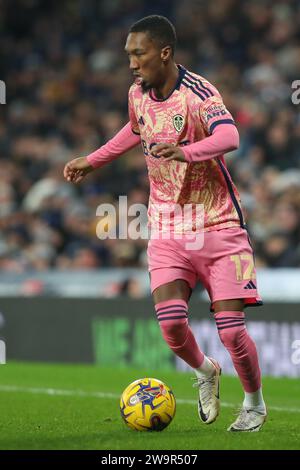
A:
{"points": [[67, 79]]}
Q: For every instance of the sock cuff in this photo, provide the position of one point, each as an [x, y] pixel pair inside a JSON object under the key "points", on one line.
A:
{"points": [[229, 315], [229, 320], [171, 303]]}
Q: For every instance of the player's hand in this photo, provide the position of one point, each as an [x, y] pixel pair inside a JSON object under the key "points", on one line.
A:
{"points": [[168, 152], [77, 169]]}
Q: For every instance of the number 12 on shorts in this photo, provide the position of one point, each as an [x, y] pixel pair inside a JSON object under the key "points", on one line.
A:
{"points": [[248, 273]]}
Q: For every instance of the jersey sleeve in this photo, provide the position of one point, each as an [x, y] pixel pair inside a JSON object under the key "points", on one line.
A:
{"points": [[213, 112], [123, 141], [132, 115]]}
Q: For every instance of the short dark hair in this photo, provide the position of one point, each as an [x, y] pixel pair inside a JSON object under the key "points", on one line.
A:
{"points": [[159, 28]]}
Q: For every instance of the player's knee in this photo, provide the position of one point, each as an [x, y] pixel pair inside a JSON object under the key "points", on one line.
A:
{"points": [[231, 337], [174, 331]]}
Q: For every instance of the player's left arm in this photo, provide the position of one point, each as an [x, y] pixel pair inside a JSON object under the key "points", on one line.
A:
{"points": [[223, 135], [223, 139]]}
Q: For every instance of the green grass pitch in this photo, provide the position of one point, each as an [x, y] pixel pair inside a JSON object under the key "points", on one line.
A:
{"points": [[50, 406]]}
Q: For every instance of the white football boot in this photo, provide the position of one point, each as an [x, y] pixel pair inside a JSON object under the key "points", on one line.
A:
{"points": [[248, 421], [209, 398]]}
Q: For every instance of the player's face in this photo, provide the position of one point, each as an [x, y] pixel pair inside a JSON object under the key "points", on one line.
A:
{"points": [[145, 59]]}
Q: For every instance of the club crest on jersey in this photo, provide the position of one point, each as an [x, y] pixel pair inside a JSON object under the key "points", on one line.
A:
{"points": [[178, 122]]}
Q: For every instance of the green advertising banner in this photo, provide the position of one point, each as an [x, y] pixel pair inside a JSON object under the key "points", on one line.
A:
{"points": [[124, 341], [123, 332]]}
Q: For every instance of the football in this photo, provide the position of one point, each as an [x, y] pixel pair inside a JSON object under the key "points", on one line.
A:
{"points": [[147, 405]]}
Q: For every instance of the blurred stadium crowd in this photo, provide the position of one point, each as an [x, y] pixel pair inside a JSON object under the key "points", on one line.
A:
{"points": [[67, 80]]}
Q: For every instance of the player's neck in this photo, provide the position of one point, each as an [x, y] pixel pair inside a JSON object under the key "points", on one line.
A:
{"points": [[163, 90]]}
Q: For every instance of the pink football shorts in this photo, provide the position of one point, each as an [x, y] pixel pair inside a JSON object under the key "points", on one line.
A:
{"points": [[224, 265]]}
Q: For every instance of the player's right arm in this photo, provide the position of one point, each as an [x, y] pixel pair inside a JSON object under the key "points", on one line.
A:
{"points": [[124, 140], [75, 170]]}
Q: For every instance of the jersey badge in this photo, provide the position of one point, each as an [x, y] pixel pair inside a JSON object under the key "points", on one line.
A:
{"points": [[178, 122]]}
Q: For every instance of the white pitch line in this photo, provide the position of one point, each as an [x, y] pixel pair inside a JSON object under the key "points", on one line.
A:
{"points": [[81, 393]]}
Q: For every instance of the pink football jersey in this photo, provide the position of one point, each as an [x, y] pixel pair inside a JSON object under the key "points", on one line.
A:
{"points": [[189, 114]]}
